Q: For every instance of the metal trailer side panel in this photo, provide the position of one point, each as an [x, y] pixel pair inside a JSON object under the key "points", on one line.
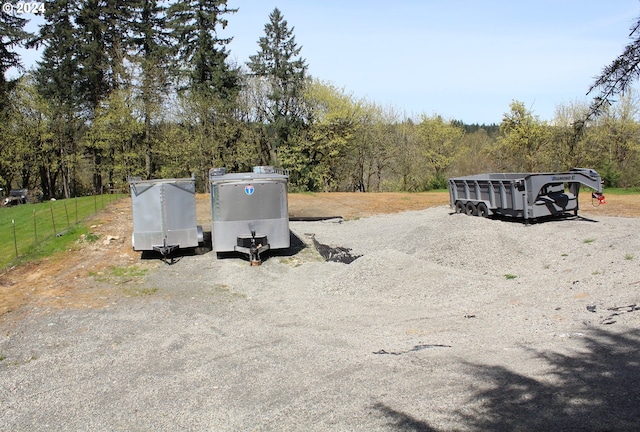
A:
{"points": [[241, 204], [164, 212], [500, 195]]}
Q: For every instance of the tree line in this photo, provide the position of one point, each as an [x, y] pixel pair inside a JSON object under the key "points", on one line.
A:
{"points": [[146, 89]]}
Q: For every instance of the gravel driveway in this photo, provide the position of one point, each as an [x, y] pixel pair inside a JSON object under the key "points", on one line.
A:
{"points": [[445, 322]]}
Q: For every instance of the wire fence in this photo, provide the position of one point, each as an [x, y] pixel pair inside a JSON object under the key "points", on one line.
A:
{"points": [[25, 226]]}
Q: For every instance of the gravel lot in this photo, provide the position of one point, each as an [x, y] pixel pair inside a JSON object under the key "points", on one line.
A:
{"points": [[446, 322]]}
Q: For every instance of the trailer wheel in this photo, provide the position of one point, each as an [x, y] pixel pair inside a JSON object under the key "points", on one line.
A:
{"points": [[483, 210], [459, 207], [471, 209]]}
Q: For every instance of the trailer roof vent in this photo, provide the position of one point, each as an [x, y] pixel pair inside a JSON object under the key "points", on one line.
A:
{"points": [[217, 172], [265, 169]]}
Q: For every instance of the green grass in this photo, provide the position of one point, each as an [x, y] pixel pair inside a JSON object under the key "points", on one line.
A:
{"points": [[589, 240], [509, 276], [35, 236], [132, 271], [139, 292], [622, 191], [628, 256], [54, 244], [119, 274]]}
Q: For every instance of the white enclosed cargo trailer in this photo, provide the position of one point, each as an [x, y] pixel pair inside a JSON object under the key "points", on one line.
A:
{"points": [[249, 211], [164, 215]]}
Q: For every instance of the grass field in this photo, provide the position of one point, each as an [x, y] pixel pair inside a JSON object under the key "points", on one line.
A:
{"points": [[34, 230], [622, 191]]}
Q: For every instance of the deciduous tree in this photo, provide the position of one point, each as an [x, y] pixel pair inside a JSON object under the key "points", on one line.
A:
{"points": [[523, 144], [439, 139]]}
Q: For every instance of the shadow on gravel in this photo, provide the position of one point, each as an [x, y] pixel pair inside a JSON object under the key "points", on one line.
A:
{"points": [[401, 421], [545, 219], [296, 245], [594, 389], [177, 254]]}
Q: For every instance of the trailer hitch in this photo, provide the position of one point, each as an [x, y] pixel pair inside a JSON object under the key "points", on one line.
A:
{"points": [[599, 197], [165, 250], [254, 251]]}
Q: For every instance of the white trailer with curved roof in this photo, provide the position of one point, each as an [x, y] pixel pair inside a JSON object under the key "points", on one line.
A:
{"points": [[249, 211]]}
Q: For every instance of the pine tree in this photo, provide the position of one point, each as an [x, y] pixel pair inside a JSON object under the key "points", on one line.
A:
{"points": [[278, 63], [12, 35], [58, 77], [618, 76], [103, 30], [199, 50], [151, 47], [95, 67], [209, 86]]}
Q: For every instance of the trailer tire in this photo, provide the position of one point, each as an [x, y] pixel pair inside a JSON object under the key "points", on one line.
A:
{"points": [[471, 209], [459, 207], [482, 210]]}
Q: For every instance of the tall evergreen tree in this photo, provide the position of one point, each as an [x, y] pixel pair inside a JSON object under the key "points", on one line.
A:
{"points": [[278, 62], [201, 53], [98, 30], [103, 30], [151, 46], [92, 56], [12, 35], [209, 85], [58, 77]]}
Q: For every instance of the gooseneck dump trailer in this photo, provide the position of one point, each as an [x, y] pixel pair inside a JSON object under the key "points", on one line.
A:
{"points": [[522, 195], [249, 211], [164, 215]]}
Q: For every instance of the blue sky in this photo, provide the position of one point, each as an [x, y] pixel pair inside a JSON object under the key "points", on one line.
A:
{"points": [[462, 59]]}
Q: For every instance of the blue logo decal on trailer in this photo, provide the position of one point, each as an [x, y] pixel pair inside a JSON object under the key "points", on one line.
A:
{"points": [[249, 189]]}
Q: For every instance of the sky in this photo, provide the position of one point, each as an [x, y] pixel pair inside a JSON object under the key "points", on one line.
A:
{"points": [[461, 59]]}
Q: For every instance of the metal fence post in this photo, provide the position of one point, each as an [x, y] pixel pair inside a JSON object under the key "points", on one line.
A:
{"points": [[35, 226], [67, 213], [15, 241], [53, 220]]}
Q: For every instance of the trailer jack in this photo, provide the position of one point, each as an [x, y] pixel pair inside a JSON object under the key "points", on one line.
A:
{"points": [[252, 246], [165, 250], [254, 251], [599, 197]]}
